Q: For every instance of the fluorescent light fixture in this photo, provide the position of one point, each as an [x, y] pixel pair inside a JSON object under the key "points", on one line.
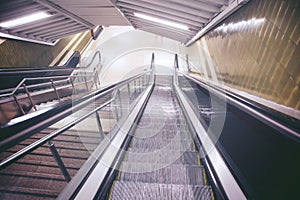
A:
{"points": [[25, 19], [161, 21]]}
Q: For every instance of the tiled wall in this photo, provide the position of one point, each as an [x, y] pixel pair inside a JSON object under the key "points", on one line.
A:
{"points": [[257, 50], [15, 53]]}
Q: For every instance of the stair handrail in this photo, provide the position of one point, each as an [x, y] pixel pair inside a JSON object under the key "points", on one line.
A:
{"points": [[97, 53], [102, 92], [41, 78], [53, 77]]}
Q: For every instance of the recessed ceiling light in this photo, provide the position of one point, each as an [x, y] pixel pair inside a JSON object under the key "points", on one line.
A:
{"points": [[161, 21], [25, 19]]}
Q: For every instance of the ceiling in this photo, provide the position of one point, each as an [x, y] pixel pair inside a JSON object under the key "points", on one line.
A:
{"points": [[193, 13], [72, 16]]}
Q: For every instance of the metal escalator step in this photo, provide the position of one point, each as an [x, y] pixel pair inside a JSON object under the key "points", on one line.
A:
{"points": [[146, 145], [124, 190], [171, 174], [167, 134], [164, 157]]}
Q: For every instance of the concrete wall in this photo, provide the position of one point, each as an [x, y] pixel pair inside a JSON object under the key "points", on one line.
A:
{"points": [[256, 50], [126, 52]]}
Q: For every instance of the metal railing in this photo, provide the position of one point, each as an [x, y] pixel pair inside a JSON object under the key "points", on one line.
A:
{"points": [[54, 81], [11, 159]]}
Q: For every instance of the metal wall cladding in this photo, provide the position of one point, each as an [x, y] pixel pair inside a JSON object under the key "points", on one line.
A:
{"points": [[257, 50]]}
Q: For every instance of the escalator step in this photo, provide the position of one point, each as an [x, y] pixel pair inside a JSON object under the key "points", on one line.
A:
{"points": [[164, 156], [126, 190], [172, 174]]}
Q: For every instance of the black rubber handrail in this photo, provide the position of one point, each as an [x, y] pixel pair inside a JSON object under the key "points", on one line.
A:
{"points": [[243, 104]]}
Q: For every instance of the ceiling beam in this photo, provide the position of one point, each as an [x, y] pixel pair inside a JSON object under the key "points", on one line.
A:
{"points": [[62, 35], [190, 23], [68, 14], [37, 24], [191, 27], [216, 2], [65, 31], [165, 11], [168, 5], [198, 5], [46, 30], [168, 28], [164, 34]]}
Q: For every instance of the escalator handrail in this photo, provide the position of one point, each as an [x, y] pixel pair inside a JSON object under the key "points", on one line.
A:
{"points": [[243, 104], [41, 84], [224, 181], [97, 53], [92, 97]]}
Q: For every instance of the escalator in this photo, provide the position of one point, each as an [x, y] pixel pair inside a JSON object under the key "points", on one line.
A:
{"points": [[151, 137], [162, 161]]}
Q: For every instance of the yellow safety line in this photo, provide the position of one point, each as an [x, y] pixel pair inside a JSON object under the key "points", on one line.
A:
{"points": [[212, 194], [110, 192], [204, 176], [199, 161]]}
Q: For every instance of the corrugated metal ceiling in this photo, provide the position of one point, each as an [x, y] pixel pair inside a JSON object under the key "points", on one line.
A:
{"points": [[193, 13], [72, 16]]}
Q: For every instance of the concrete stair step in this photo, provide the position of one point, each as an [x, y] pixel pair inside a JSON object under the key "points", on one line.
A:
{"points": [[26, 193], [32, 180]]}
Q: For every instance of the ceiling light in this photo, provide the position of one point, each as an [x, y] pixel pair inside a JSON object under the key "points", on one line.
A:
{"points": [[25, 19], [161, 21]]}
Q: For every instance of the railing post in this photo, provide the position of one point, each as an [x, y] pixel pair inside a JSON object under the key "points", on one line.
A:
{"points": [[116, 110], [187, 63], [95, 80], [134, 86], [55, 90], [73, 86], [85, 81], [59, 161], [18, 104], [139, 84], [29, 97], [128, 89], [120, 100], [99, 124], [176, 67], [129, 93]]}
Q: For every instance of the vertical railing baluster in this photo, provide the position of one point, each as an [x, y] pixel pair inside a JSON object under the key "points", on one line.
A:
{"points": [[99, 125], [73, 86], [86, 85], [55, 90], [59, 161], [120, 100], [29, 97], [19, 105]]}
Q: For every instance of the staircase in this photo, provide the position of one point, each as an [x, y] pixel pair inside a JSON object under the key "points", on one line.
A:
{"points": [[37, 175], [161, 161]]}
